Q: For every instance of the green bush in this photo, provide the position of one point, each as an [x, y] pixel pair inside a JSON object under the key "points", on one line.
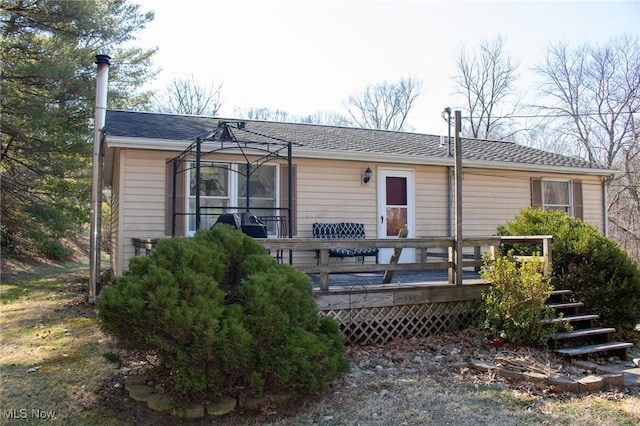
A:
{"points": [[515, 302], [55, 249], [594, 267], [218, 314]]}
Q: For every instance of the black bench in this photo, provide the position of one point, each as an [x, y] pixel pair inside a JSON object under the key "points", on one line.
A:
{"points": [[343, 230]]}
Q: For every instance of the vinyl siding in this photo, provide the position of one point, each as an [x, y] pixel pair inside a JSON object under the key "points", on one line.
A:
{"points": [[115, 237], [333, 191], [431, 201], [490, 198], [143, 197]]}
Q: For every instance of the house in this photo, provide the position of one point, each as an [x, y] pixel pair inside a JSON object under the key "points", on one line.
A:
{"points": [[383, 179]]}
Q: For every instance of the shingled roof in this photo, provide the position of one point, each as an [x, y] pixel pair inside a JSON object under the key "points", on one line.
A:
{"points": [[336, 141]]}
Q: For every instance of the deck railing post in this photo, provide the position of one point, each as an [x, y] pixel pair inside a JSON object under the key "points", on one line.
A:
{"points": [[547, 256], [324, 276], [452, 273], [477, 255]]}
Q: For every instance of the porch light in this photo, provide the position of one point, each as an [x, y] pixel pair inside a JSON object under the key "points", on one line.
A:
{"points": [[367, 175]]}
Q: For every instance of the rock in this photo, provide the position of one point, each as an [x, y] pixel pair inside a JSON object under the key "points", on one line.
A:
{"points": [[586, 365], [140, 392], [613, 380], [253, 402], [590, 383], [221, 406], [534, 377], [564, 384], [509, 374], [279, 398], [459, 364], [606, 370], [194, 411], [134, 380], [159, 402], [481, 365]]}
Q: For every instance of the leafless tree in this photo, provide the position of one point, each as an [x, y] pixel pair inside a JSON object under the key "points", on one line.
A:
{"points": [[593, 92], [263, 113], [185, 95], [384, 105], [485, 79], [326, 118]]}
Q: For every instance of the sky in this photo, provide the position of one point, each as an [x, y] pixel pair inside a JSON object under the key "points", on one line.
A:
{"points": [[308, 56]]}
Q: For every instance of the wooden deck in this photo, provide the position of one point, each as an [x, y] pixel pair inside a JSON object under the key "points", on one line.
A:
{"points": [[423, 262], [423, 298]]}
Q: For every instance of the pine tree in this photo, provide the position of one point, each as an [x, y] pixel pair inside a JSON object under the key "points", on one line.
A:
{"points": [[48, 51]]}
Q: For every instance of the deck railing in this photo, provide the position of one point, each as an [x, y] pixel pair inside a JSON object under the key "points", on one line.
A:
{"points": [[424, 261]]}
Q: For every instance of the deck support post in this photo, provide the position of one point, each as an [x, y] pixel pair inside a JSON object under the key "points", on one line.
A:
{"points": [[458, 200]]}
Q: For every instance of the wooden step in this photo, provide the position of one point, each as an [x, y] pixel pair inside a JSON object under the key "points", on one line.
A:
{"points": [[558, 295], [561, 292], [619, 347], [565, 305], [571, 318], [583, 333]]}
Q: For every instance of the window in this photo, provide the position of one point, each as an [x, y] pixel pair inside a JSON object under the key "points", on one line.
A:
{"points": [[553, 194], [215, 182], [223, 189], [556, 195]]}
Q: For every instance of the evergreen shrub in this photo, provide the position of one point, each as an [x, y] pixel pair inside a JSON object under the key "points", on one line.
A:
{"points": [[594, 267], [218, 314]]}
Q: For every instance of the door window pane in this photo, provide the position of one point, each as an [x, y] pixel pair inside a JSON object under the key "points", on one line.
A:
{"points": [[396, 191], [396, 220]]}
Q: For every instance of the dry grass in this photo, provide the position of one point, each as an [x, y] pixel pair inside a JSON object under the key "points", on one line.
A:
{"points": [[52, 359]]}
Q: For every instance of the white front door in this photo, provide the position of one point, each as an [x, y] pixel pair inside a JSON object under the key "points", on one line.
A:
{"points": [[395, 209]]}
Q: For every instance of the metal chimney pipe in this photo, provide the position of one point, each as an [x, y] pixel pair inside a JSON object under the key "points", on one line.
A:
{"points": [[102, 78]]}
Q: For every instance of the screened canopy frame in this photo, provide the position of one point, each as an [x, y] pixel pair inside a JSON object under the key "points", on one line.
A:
{"points": [[255, 153]]}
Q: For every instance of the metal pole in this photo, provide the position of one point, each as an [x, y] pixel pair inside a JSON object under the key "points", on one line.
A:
{"points": [[458, 200], [174, 181], [248, 188], [102, 79], [447, 111], [289, 196], [198, 152]]}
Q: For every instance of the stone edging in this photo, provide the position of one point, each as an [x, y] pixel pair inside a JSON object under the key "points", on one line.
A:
{"points": [[596, 377], [140, 389]]}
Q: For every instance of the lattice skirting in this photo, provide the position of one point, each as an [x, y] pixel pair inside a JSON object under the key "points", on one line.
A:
{"points": [[383, 324]]}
